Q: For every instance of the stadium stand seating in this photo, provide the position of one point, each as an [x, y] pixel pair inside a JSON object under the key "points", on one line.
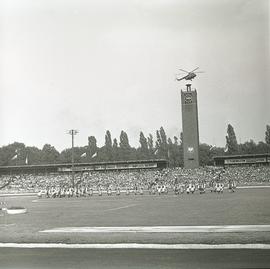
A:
{"points": [[136, 180]]}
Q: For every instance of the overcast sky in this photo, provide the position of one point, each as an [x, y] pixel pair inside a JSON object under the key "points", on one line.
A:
{"points": [[111, 65]]}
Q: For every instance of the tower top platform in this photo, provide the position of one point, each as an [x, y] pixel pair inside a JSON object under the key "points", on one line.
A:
{"points": [[188, 87]]}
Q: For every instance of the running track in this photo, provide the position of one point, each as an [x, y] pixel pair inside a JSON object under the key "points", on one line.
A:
{"points": [[20, 258]]}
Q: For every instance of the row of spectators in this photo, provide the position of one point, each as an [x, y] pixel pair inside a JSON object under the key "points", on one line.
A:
{"points": [[137, 179]]}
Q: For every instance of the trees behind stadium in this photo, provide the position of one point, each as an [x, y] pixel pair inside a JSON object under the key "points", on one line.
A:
{"points": [[162, 147]]}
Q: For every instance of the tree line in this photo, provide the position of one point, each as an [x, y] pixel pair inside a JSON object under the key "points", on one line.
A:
{"points": [[162, 147]]}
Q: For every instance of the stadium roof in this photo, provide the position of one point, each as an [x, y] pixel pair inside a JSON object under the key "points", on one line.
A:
{"points": [[120, 165], [82, 164], [242, 156]]}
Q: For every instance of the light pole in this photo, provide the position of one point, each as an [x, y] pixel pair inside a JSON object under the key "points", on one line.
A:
{"points": [[72, 132]]}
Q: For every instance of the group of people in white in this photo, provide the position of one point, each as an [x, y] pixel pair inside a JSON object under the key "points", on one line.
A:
{"points": [[151, 189]]}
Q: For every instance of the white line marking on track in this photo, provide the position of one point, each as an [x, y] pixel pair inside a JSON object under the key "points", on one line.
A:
{"points": [[134, 246], [253, 187], [164, 229], [122, 207], [10, 195]]}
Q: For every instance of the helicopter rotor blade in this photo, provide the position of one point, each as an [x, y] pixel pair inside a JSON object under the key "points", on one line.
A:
{"points": [[183, 70], [198, 72], [182, 74], [194, 70]]}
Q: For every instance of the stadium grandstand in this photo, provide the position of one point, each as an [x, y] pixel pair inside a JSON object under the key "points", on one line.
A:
{"points": [[131, 179], [246, 159], [85, 167]]}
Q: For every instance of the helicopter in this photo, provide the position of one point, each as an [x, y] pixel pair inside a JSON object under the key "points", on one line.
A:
{"points": [[190, 75]]}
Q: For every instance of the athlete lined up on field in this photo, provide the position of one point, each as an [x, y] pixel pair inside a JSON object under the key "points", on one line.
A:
{"points": [[159, 189]]}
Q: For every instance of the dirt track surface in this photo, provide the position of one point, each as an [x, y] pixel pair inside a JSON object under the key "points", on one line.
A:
{"points": [[101, 259]]}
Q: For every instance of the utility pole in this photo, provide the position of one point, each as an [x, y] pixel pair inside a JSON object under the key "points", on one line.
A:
{"points": [[72, 132]]}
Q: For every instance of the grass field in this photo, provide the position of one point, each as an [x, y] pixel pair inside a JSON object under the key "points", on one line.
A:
{"points": [[246, 206]]}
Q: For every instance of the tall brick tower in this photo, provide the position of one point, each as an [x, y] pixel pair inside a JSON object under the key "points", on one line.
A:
{"points": [[190, 127]]}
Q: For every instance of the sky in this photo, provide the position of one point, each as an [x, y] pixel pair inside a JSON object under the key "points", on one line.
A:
{"points": [[110, 65]]}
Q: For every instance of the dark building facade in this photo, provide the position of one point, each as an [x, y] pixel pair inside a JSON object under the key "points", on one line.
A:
{"points": [[190, 127], [242, 160], [85, 167]]}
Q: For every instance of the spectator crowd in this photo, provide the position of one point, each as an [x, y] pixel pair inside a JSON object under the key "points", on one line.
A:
{"points": [[87, 183]]}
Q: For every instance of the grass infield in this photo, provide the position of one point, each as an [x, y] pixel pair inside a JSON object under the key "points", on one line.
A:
{"points": [[244, 207]]}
